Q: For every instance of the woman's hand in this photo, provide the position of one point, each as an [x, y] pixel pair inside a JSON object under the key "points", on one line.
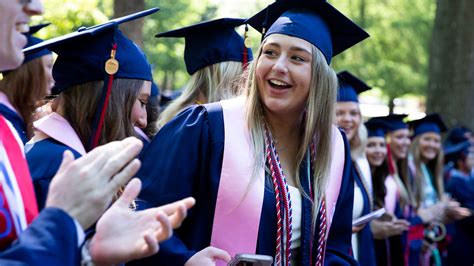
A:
{"points": [[385, 229], [454, 212], [208, 257], [357, 229], [123, 234]]}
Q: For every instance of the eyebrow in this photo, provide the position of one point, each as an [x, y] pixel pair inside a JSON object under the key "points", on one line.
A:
{"points": [[293, 48]]}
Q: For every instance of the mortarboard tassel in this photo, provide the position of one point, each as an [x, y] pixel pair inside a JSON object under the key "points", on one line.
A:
{"points": [[111, 67]]}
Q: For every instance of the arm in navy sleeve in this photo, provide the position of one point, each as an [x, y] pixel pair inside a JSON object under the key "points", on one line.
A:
{"points": [[175, 165], [51, 239]]}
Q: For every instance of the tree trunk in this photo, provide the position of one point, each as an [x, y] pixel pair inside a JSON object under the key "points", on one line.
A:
{"points": [[451, 70], [132, 29]]}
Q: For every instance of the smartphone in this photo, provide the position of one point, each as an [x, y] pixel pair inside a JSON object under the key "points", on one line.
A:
{"points": [[368, 217], [244, 259]]}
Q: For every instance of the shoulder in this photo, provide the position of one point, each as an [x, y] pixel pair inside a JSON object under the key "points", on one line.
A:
{"points": [[45, 156]]}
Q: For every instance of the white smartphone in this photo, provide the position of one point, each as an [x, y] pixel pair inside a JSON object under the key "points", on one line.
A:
{"points": [[244, 259], [368, 217]]}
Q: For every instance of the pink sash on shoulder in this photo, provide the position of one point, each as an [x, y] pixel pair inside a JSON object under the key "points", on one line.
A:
{"points": [[240, 199], [57, 127]]}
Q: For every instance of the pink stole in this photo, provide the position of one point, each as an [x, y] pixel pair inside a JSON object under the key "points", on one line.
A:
{"points": [[239, 199], [57, 127], [392, 194]]}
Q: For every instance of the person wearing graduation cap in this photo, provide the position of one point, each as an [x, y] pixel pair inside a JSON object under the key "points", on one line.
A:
{"points": [[349, 118], [461, 188], [20, 89], [270, 172], [27, 242], [427, 186], [215, 56], [388, 229], [95, 105]]}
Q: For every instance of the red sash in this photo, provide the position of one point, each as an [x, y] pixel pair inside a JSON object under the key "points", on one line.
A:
{"points": [[13, 161]]}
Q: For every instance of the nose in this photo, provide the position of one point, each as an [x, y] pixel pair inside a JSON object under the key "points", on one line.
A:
{"points": [[34, 7], [280, 65], [142, 121]]}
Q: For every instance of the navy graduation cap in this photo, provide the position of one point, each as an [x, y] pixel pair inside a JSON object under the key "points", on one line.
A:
{"points": [[317, 22], [454, 152], [429, 123], [457, 135], [377, 127], [395, 121], [211, 42], [350, 87], [33, 41], [97, 53]]}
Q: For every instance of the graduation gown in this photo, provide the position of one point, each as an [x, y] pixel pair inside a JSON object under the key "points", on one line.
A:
{"points": [[10, 114], [45, 152], [185, 159], [461, 247], [366, 250]]}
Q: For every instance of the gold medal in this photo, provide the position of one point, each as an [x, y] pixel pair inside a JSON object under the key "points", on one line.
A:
{"points": [[247, 42], [111, 66]]}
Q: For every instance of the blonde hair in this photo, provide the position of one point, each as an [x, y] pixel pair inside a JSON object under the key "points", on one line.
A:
{"points": [[316, 125], [435, 166], [215, 82]]}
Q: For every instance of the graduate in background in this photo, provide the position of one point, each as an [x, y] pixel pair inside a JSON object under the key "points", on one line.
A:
{"points": [[215, 56], [90, 109], [20, 89], [461, 188], [427, 187], [271, 174], [349, 118], [388, 229], [27, 242]]}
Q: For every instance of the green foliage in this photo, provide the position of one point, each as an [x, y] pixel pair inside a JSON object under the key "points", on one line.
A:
{"points": [[395, 57], [68, 16]]}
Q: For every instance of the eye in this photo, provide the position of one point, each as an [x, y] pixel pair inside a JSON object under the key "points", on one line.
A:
{"points": [[298, 58], [269, 52], [142, 103]]}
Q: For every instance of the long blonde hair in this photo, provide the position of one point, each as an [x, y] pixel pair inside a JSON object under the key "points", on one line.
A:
{"points": [[435, 166], [316, 125], [216, 82]]}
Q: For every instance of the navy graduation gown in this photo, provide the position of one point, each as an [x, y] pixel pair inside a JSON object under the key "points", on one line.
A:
{"points": [[51, 239], [44, 159], [185, 159], [16, 121], [366, 241], [461, 247]]}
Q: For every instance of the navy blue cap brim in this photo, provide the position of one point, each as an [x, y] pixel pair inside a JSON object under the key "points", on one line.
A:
{"points": [[350, 87], [430, 123], [201, 27], [344, 32], [88, 31]]}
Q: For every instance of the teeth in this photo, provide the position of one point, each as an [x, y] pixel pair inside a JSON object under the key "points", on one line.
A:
{"points": [[23, 28], [278, 83]]}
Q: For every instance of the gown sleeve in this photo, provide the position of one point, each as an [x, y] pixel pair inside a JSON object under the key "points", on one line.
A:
{"points": [[184, 159]]}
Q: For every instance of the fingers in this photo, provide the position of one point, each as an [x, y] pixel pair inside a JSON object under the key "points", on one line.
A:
{"points": [[68, 158], [217, 254], [130, 192], [121, 178], [171, 208], [151, 246], [119, 156], [166, 230]]}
